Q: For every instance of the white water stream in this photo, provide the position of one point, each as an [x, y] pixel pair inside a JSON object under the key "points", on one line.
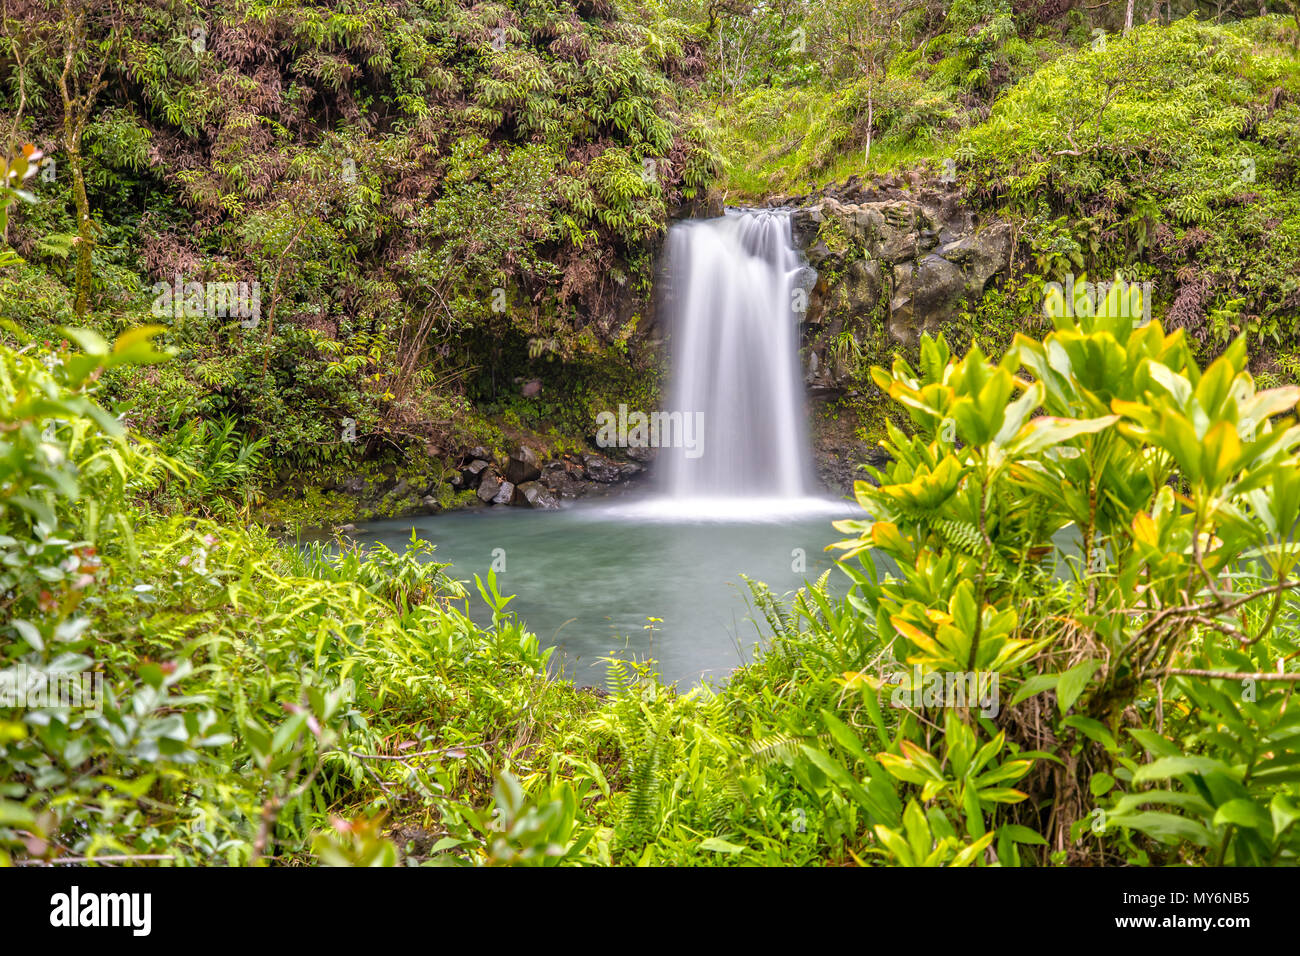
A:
{"points": [[735, 341]]}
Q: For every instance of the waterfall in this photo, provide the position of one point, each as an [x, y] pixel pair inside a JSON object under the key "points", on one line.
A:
{"points": [[731, 287]]}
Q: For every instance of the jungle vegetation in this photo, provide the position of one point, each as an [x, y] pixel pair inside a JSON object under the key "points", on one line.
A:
{"points": [[439, 198]]}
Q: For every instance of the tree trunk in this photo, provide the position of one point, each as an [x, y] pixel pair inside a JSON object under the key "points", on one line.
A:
{"points": [[85, 238], [871, 107], [79, 92], [72, 127], [75, 110], [1128, 16]]}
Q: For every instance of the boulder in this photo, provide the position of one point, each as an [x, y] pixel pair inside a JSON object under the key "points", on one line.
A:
{"points": [[488, 486], [533, 494], [805, 222], [824, 231], [600, 468], [523, 465], [867, 224], [472, 474], [565, 478], [804, 289], [950, 216], [505, 493]]}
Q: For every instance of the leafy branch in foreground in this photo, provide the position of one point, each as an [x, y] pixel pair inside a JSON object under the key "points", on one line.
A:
{"points": [[1131, 551]]}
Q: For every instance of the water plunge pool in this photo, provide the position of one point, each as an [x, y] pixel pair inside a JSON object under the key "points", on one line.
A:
{"points": [[588, 577]]}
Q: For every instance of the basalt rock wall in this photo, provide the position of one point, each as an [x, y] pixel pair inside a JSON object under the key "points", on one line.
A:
{"points": [[897, 255]]}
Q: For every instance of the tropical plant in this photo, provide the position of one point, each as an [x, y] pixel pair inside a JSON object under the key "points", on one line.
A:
{"points": [[1170, 495]]}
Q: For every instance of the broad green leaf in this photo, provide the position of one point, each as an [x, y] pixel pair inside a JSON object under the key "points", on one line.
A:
{"points": [[1073, 682], [1244, 813]]}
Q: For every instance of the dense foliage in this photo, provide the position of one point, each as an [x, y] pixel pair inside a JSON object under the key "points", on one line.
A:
{"points": [[435, 199], [1095, 527], [1166, 153], [1148, 722], [247, 690], [1169, 154], [441, 201]]}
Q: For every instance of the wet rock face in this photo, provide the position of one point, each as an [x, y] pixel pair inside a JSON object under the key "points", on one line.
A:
{"points": [[525, 480], [839, 456], [898, 254], [980, 255], [926, 293], [859, 289]]}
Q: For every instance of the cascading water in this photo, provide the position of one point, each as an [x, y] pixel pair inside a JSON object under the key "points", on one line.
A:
{"points": [[591, 574], [731, 289]]}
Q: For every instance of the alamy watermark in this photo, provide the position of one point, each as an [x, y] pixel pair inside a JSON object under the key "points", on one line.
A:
{"points": [[947, 689], [23, 686], [74, 908], [214, 300], [654, 430]]}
